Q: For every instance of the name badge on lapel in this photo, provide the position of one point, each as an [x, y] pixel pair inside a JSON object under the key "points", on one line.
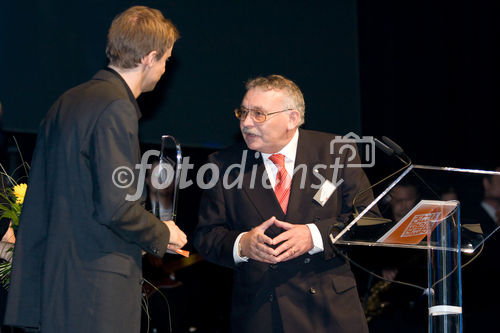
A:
{"points": [[325, 192]]}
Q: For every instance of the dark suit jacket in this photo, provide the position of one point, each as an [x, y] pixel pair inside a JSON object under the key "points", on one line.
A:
{"points": [[77, 262], [310, 293]]}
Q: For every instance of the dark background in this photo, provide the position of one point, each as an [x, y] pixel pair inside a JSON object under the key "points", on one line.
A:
{"points": [[430, 78], [223, 43], [424, 73]]}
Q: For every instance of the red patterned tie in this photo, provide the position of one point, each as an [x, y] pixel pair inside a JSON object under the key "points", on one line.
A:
{"points": [[283, 181]]}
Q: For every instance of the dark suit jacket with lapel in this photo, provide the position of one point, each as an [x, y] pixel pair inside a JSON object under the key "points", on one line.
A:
{"points": [[77, 262], [313, 293]]}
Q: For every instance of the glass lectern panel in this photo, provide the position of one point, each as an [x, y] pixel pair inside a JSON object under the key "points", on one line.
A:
{"points": [[414, 202]]}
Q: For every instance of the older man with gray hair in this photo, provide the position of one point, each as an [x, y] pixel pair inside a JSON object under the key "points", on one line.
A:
{"points": [[274, 234]]}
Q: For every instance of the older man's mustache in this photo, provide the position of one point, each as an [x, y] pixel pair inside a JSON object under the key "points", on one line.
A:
{"points": [[246, 130]]}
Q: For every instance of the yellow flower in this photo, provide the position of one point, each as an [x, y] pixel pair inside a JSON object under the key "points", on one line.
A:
{"points": [[20, 192]]}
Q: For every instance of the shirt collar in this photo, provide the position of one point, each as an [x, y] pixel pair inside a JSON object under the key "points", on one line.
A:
{"points": [[130, 94]]}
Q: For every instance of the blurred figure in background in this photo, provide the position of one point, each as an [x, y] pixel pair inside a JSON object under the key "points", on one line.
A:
{"points": [[390, 307], [480, 278]]}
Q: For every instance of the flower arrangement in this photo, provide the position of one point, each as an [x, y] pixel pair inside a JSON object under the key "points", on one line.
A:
{"points": [[14, 198], [11, 204]]}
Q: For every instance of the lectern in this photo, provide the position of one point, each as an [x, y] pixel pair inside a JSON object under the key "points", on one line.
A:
{"points": [[444, 229]]}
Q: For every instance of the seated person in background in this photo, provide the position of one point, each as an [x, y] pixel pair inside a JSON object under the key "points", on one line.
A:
{"points": [[487, 211], [402, 198], [391, 307], [480, 291], [449, 193]]}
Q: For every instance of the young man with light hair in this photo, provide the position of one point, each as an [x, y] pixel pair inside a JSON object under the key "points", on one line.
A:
{"points": [[77, 261]]}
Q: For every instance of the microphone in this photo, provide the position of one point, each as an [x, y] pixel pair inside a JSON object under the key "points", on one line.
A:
{"points": [[382, 146], [397, 150], [390, 148], [400, 154]]}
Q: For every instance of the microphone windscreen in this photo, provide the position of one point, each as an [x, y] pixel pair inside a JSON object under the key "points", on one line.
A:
{"points": [[394, 146], [382, 146]]}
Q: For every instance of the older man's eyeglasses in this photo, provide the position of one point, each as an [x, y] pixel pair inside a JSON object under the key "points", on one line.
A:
{"points": [[257, 115]]}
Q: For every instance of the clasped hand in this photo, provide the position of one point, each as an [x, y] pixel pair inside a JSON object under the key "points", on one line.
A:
{"points": [[295, 241]]}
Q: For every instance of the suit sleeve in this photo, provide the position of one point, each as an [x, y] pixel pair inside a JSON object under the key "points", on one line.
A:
{"points": [[115, 146], [214, 237]]}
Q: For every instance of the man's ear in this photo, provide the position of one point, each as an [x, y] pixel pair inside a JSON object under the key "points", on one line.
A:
{"points": [[149, 59], [293, 119]]}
